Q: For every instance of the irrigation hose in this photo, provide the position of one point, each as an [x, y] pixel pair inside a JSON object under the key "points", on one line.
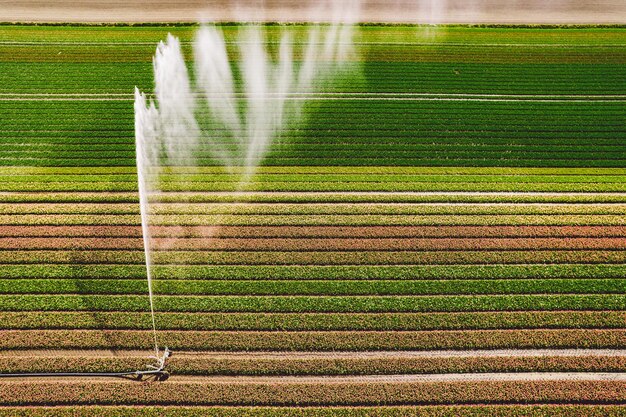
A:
{"points": [[159, 373]]}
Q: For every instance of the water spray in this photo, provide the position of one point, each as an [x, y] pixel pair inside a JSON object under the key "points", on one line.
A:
{"points": [[236, 127]]}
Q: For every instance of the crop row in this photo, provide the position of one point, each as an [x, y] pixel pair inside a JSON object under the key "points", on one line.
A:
{"points": [[316, 304], [545, 37], [315, 258], [316, 220], [580, 105], [314, 341], [370, 53], [327, 162], [313, 171], [321, 162], [560, 129], [322, 177], [279, 216], [394, 81], [304, 146], [353, 232], [285, 244], [566, 111], [384, 141], [315, 288], [500, 320], [490, 134], [315, 272], [25, 145], [520, 410], [380, 112], [357, 153], [391, 139], [338, 186], [61, 76], [568, 122], [389, 136], [286, 178], [547, 107], [315, 209], [131, 197], [318, 365], [305, 393]]}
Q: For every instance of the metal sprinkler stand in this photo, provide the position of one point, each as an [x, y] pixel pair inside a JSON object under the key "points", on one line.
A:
{"points": [[157, 371]]}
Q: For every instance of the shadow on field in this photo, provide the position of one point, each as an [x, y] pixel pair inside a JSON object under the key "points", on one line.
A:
{"points": [[88, 301]]}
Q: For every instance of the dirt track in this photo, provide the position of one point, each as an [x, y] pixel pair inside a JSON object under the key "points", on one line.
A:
{"points": [[409, 11]]}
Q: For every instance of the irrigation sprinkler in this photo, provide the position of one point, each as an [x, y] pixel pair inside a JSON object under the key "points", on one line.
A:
{"points": [[157, 371]]}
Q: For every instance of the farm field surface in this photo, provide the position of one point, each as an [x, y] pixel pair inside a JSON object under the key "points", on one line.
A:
{"points": [[442, 234]]}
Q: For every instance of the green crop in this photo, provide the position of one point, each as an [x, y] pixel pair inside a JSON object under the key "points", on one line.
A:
{"points": [[33, 320], [300, 304], [336, 288]]}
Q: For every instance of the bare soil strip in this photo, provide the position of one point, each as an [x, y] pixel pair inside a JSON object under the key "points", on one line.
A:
{"points": [[400, 11], [466, 377]]}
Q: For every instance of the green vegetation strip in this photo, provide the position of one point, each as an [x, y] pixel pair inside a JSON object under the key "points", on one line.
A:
{"points": [[133, 234], [337, 186], [326, 177], [495, 35], [314, 341], [314, 272], [305, 393], [125, 197], [331, 288], [315, 209], [347, 170], [301, 304], [380, 411], [305, 244], [214, 364], [316, 258], [444, 160], [313, 321]]}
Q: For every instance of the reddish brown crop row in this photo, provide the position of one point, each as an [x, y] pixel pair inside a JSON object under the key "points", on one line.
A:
{"points": [[203, 391], [317, 340], [330, 244], [182, 364], [492, 410], [315, 258], [314, 321]]}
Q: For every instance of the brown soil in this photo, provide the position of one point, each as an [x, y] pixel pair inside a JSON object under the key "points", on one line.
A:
{"points": [[457, 11]]}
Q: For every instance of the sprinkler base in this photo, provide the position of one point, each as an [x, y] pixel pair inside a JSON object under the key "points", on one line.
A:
{"points": [[158, 372]]}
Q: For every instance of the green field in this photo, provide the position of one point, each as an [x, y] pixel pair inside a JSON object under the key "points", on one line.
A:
{"points": [[458, 191]]}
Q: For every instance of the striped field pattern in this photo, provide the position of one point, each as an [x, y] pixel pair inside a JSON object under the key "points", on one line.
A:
{"points": [[442, 234]]}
